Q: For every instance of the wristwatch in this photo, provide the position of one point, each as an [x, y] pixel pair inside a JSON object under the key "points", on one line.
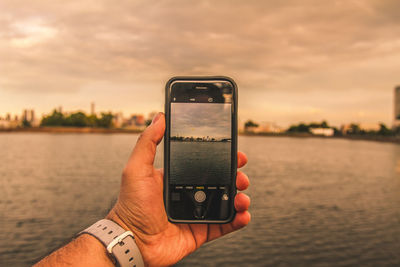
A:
{"points": [[120, 244]]}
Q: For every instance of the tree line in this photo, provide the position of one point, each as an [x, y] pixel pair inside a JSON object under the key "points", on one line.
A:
{"points": [[353, 129], [78, 119]]}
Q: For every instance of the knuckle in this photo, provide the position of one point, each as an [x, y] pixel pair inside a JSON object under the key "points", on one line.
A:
{"points": [[125, 172]]}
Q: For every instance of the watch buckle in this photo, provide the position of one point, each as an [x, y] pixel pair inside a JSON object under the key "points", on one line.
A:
{"points": [[118, 240]]}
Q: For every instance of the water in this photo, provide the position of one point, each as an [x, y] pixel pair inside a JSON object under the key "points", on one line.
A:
{"points": [[315, 201], [200, 163]]}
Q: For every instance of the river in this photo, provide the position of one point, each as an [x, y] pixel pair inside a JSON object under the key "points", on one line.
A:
{"points": [[315, 201]]}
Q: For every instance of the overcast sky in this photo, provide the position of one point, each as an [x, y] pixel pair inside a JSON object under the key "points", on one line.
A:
{"points": [[201, 120], [293, 60]]}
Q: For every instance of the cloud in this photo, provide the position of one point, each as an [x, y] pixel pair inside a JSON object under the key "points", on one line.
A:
{"points": [[201, 120], [289, 47]]}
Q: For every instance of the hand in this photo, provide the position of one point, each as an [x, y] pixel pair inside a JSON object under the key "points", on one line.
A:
{"points": [[140, 206]]}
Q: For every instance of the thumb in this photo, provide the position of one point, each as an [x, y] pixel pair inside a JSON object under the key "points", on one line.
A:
{"points": [[142, 158]]}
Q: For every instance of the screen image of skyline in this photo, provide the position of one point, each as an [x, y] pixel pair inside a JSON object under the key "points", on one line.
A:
{"points": [[201, 120]]}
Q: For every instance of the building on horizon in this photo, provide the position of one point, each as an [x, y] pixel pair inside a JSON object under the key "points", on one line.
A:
{"points": [[396, 118], [264, 127], [92, 109], [322, 131], [28, 115], [135, 121], [11, 122], [118, 120], [268, 127]]}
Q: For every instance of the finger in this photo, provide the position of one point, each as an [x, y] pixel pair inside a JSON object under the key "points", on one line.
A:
{"points": [[142, 158], [242, 181], [242, 202], [241, 220], [218, 230], [242, 159]]}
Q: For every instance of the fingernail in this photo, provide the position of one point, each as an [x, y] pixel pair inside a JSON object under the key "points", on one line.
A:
{"points": [[155, 119]]}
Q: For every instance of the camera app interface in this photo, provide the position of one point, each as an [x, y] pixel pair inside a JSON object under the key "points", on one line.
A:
{"points": [[200, 152]]}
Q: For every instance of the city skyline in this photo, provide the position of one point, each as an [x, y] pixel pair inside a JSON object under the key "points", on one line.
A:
{"points": [[269, 126], [28, 118], [293, 60], [243, 115]]}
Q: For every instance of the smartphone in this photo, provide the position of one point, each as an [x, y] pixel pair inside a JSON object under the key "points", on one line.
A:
{"points": [[200, 149]]}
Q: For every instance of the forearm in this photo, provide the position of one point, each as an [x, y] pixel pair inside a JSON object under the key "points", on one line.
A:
{"points": [[85, 250]]}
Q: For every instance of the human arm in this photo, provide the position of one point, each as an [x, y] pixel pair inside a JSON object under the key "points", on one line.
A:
{"points": [[140, 209]]}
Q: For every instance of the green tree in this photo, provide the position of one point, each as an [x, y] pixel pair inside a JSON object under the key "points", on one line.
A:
{"points": [[383, 130], [92, 120], [337, 132], [300, 128], [324, 124], [354, 129], [105, 120], [250, 124], [78, 119], [54, 119], [26, 123]]}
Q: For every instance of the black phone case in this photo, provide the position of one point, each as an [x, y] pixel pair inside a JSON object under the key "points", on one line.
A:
{"points": [[234, 147]]}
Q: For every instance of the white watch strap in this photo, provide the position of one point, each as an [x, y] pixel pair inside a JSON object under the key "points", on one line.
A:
{"points": [[120, 243]]}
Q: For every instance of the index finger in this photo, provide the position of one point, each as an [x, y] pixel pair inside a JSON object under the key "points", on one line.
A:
{"points": [[242, 159]]}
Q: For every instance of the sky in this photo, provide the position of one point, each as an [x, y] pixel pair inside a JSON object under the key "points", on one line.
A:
{"points": [[305, 60], [201, 120]]}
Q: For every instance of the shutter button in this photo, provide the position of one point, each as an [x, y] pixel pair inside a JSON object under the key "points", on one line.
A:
{"points": [[200, 196]]}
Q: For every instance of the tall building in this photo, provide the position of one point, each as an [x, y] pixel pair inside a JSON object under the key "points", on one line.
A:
{"points": [[92, 111], [28, 115], [25, 115], [396, 119]]}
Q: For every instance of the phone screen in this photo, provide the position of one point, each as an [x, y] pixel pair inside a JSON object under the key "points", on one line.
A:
{"points": [[200, 150]]}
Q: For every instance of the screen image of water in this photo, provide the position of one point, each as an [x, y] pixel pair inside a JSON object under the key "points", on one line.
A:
{"points": [[200, 163]]}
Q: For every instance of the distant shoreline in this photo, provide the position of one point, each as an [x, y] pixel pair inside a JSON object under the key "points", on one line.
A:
{"points": [[196, 141], [385, 139], [80, 130], [69, 130]]}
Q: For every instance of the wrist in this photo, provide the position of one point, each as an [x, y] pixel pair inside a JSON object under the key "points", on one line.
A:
{"points": [[113, 216], [119, 219], [121, 245], [122, 217], [85, 250], [98, 252]]}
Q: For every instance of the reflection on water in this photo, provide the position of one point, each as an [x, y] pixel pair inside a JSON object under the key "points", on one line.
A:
{"points": [[314, 201]]}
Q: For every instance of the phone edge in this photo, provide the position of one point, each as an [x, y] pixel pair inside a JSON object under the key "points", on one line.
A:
{"points": [[234, 153]]}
